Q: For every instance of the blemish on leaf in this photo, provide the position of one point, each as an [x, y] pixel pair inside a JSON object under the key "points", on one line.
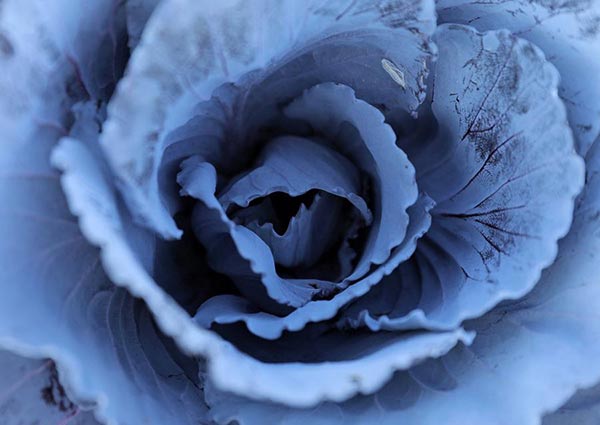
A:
{"points": [[54, 394], [393, 71], [6, 46], [490, 42]]}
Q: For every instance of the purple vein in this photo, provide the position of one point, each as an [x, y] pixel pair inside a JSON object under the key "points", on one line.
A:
{"points": [[24, 379]]}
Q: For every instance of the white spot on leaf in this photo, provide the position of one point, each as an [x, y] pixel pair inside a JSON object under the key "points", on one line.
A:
{"points": [[392, 69]]}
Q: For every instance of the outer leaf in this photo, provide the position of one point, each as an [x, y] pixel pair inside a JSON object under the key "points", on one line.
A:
{"points": [[359, 365], [502, 160], [56, 301], [217, 43], [567, 32]]}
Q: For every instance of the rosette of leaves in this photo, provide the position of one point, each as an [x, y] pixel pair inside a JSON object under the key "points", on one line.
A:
{"points": [[281, 211]]}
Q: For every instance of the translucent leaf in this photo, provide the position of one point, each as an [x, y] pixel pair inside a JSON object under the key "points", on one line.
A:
{"points": [[218, 43], [568, 34]]}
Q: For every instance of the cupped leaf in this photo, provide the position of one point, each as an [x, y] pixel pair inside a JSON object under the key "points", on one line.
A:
{"points": [[218, 43], [230, 309], [358, 130], [528, 358], [295, 166], [568, 34], [239, 252], [309, 234], [93, 199], [504, 173]]}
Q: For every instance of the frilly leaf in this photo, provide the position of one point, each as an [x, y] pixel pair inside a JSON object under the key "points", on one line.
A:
{"points": [[231, 309], [309, 234], [93, 199], [295, 166], [528, 358], [56, 301], [250, 261], [358, 130], [568, 34], [360, 364], [217, 43]]}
